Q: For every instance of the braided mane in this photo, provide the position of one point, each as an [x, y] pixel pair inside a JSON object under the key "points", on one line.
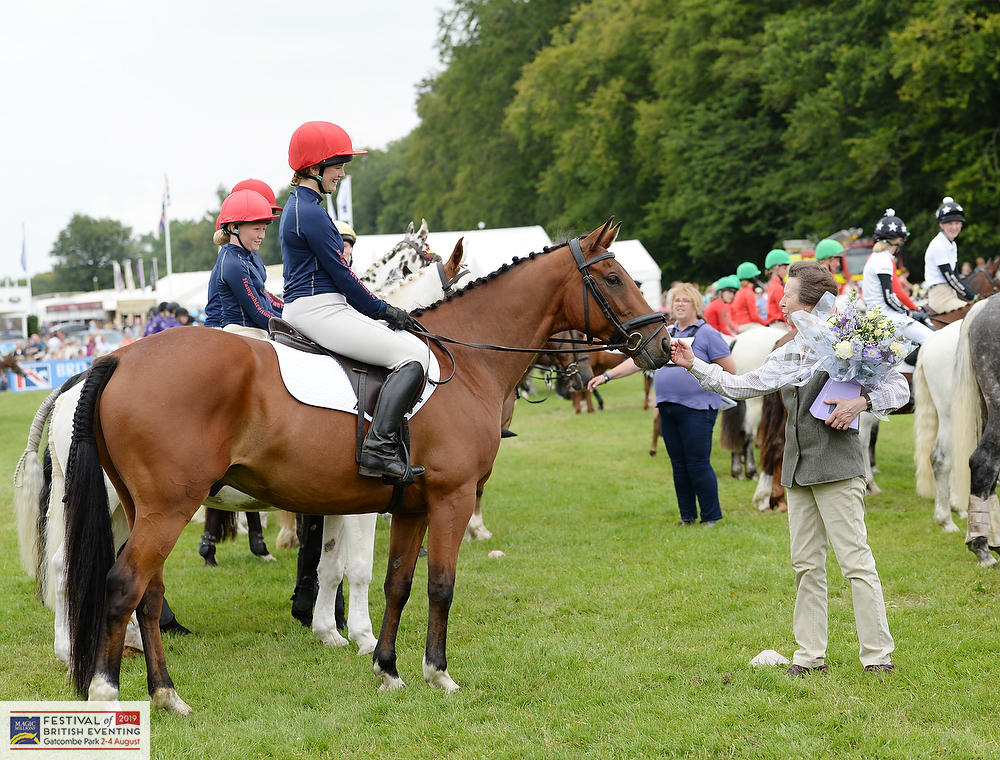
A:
{"points": [[486, 278]]}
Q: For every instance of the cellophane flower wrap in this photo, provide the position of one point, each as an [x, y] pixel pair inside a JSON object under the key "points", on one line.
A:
{"points": [[851, 344]]}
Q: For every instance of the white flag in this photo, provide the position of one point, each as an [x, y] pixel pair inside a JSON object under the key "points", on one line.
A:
{"points": [[129, 279], [117, 269], [345, 208]]}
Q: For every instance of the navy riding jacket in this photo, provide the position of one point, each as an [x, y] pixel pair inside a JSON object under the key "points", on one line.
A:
{"points": [[236, 294], [312, 252]]}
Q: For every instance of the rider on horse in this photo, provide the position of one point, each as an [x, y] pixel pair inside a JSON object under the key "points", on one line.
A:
{"points": [[945, 291], [777, 263], [743, 310], [877, 283], [237, 300], [326, 302]]}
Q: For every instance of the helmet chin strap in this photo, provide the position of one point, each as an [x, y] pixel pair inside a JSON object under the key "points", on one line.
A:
{"points": [[236, 231]]}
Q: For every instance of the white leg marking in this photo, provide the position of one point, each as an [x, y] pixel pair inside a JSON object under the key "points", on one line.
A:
{"points": [[167, 700], [439, 679], [101, 690]]}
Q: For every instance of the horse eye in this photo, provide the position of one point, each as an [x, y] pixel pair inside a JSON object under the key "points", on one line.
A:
{"points": [[612, 279]]}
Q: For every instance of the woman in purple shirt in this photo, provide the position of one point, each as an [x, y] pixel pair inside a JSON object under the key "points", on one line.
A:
{"points": [[687, 411]]}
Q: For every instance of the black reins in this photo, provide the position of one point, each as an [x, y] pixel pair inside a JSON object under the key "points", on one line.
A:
{"points": [[626, 333]]}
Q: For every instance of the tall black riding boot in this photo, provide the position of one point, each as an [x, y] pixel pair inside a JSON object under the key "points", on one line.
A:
{"points": [[310, 530], [383, 455]]}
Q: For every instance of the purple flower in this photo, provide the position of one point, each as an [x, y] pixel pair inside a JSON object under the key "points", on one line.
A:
{"points": [[871, 353]]}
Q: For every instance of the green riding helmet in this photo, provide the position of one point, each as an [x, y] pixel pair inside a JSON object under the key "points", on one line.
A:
{"points": [[827, 249], [729, 282], [776, 257], [747, 271]]}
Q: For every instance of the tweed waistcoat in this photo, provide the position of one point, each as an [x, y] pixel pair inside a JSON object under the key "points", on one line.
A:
{"points": [[814, 452]]}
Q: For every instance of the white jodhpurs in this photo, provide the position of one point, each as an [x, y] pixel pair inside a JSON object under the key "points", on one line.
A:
{"points": [[330, 321], [246, 332]]}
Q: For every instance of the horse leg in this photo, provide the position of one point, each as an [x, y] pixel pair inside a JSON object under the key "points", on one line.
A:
{"points": [[443, 543], [213, 532], [476, 530], [871, 446], [736, 465], [359, 547], [656, 432], [749, 463], [590, 402], [287, 538], [866, 430], [310, 532], [140, 567], [779, 501], [330, 573], [256, 532], [762, 493], [577, 400], [163, 695], [405, 538], [984, 465], [941, 467], [647, 383]]}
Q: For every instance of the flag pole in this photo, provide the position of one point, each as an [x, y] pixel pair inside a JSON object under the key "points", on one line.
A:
{"points": [[166, 223], [27, 277]]}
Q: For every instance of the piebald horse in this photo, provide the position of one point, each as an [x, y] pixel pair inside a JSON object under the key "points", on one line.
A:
{"points": [[208, 393]]}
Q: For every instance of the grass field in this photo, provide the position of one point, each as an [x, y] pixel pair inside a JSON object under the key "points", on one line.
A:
{"points": [[605, 632]]}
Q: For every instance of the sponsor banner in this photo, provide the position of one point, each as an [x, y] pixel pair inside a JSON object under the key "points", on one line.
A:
{"points": [[77, 730], [46, 376]]}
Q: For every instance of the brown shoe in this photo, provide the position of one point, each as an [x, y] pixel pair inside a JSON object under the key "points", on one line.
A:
{"points": [[798, 671], [887, 667]]}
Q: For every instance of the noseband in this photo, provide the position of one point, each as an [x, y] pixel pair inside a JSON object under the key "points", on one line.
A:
{"points": [[625, 332]]}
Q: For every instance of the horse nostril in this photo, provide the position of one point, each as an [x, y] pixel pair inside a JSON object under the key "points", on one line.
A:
{"points": [[665, 345]]}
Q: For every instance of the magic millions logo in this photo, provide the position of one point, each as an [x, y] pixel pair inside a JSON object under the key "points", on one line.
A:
{"points": [[24, 732]]}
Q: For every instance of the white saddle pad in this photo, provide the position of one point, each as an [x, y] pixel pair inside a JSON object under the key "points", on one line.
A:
{"points": [[320, 380]]}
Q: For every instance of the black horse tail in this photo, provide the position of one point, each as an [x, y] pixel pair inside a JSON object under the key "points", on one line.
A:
{"points": [[731, 436], [771, 433], [90, 547]]}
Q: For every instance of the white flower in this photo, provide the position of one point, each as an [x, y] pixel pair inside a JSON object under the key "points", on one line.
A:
{"points": [[843, 349], [898, 349]]}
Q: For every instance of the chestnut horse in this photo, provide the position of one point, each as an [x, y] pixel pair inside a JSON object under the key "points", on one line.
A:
{"points": [[208, 396]]}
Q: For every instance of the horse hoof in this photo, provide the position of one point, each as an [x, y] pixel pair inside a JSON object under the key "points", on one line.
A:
{"points": [[367, 645], [167, 700], [439, 679], [949, 527], [287, 539], [266, 558], [330, 637], [987, 562]]}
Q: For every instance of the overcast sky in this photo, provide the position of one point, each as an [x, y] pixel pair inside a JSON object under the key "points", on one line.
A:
{"points": [[101, 99]]}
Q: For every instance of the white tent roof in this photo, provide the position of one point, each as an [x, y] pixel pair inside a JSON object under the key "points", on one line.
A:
{"points": [[486, 250], [640, 265]]}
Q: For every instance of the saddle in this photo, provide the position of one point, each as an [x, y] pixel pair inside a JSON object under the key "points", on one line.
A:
{"points": [[366, 379]]}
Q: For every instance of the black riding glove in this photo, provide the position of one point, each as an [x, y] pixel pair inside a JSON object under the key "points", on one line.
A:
{"points": [[397, 319]]}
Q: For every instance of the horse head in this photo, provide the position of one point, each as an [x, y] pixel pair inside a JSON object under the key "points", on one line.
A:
{"points": [[610, 305], [407, 257], [429, 284]]}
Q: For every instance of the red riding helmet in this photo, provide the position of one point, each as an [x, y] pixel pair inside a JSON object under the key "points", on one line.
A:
{"points": [[320, 142], [259, 186], [245, 206]]}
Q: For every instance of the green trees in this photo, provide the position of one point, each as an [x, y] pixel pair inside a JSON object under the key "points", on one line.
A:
{"points": [[84, 251]]}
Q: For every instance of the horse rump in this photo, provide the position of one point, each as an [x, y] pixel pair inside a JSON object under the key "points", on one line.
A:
{"points": [[90, 551]]}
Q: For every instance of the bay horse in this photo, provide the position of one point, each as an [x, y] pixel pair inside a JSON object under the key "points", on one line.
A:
{"points": [[9, 363], [210, 393]]}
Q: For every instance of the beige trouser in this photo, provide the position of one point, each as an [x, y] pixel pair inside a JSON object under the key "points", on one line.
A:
{"points": [[942, 298], [834, 514], [246, 332], [330, 321]]}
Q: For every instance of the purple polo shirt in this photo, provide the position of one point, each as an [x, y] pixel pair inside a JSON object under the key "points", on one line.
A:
{"points": [[678, 386]]}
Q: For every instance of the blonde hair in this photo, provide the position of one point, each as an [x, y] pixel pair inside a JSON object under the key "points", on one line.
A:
{"points": [[885, 245], [691, 291], [221, 237]]}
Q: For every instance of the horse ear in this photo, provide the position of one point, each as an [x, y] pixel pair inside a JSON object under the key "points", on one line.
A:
{"points": [[409, 230], [613, 235], [596, 237], [458, 253], [424, 229]]}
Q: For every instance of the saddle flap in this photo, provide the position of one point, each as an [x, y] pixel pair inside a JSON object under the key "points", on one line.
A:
{"points": [[283, 333]]}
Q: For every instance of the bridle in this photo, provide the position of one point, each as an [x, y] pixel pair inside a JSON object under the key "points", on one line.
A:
{"points": [[625, 336], [626, 333]]}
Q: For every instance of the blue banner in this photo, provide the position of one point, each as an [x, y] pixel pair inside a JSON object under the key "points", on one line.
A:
{"points": [[46, 376]]}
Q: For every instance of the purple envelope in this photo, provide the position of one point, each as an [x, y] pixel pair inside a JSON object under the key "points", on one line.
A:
{"points": [[835, 389]]}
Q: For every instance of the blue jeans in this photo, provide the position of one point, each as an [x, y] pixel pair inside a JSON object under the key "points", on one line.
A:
{"points": [[687, 434]]}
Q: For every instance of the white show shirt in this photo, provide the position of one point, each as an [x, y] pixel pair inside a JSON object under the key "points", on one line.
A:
{"points": [[940, 251], [871, 287]]}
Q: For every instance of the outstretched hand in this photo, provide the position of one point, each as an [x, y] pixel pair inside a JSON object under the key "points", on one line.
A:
{"points": [[681, 353]]}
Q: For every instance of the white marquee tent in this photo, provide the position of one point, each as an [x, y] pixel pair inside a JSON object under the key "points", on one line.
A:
{"points": [[640, 265]]}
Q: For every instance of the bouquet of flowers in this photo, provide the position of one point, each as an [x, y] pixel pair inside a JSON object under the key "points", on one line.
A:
{"points": [[852, 344]]}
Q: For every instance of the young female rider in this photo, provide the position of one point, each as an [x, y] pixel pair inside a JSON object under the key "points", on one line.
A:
{"points": [[877, 285], [777, 263], [327, 303], [744, 307], [824, 473], [717, 312], [237, 300], [944, 290]]}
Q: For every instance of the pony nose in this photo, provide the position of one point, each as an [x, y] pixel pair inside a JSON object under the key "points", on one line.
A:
{"points": [[665, 345]]}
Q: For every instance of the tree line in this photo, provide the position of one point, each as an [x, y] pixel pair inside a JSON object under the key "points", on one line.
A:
{"points": [[714, 129]]}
